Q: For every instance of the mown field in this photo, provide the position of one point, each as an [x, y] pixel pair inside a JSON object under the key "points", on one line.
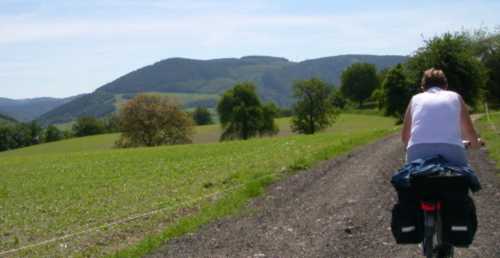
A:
{"points": [[489, 128], [81, 197], [203, 134]]}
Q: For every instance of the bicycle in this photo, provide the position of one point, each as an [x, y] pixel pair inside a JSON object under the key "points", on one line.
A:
{"points": [[433, 193]]}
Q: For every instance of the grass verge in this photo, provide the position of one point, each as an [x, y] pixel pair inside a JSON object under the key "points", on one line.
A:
{"points": [[489, 128]]}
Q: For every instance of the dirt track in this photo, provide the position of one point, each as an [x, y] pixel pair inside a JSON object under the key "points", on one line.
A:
{"points": [[339, 209]]}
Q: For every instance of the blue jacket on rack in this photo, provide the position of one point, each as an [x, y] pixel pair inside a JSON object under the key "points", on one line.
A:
{"points": [[433, 165]]}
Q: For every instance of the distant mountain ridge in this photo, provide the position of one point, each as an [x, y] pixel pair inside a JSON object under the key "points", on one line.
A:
{"points": [[25, 110], [274, 77]]}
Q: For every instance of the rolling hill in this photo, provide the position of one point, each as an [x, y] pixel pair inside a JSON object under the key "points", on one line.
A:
{"points": [[25, 110], [6, 119], [200, 82]]}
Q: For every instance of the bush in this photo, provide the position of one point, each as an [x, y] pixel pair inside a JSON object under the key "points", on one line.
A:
{"points": [[202, 116], [53, 134], [150, 120], [86, 126]]}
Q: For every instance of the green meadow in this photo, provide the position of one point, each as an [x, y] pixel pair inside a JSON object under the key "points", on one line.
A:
{"points": [[95, 200]]}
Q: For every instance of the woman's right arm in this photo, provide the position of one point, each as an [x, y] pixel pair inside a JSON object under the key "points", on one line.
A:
{"points": [[406, 130]]}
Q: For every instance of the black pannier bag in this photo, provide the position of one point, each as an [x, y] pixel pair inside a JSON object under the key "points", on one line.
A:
{"points": [[459, 221], [407, 219]]}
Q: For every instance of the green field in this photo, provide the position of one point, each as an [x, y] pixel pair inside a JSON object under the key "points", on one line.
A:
{"points": [[489, 128], [203, 134], [51, 190]]}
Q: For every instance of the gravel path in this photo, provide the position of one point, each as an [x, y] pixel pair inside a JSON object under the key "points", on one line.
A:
{"points": [[341, 208]]}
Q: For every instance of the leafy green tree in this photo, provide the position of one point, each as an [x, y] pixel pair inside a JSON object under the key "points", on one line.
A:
{"points": [[22, 135], [202, 116], [396, 92], [112, 124], [338, 99], [7, 141], [454, 54], [151, 120], [36, 133], [242, 115], [487, 48], [85, 126], [358, 82], [53, 134], [313, 110]]}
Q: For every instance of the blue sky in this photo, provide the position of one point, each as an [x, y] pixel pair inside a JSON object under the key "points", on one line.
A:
{"points": [[62, 48]]}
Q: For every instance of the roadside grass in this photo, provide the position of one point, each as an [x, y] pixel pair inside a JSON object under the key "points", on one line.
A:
{"points": [[490, 131], [51, 194], [203, 134]]}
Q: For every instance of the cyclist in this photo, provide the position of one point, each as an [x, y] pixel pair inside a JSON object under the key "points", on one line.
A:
{"points": [[436, 122]]}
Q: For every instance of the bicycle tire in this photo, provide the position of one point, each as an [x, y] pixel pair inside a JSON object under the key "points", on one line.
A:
{"points": [[429, 228]]}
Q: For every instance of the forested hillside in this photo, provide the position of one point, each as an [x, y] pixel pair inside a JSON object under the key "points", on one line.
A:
{"points": [[190, 78], [6, 119], [28, 109]]}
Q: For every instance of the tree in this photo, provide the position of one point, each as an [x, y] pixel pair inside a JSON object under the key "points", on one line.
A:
{"points": [[150, 120], [338, 100], [85, 126], [313, 110], [53, 134], [7, 141], [454, 54], [22, 135], [202, 116], [242, 116], [487, 48], [112, 124], [36, 133], [396, 92], [358, 82]]}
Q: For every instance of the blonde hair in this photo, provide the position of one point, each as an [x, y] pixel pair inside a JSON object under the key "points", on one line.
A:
{"points": [[434, 77]]}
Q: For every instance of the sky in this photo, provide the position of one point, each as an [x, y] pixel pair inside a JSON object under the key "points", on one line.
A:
{"points": [[63, 48]]}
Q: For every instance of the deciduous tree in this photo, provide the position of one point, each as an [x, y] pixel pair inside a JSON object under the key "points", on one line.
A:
{"points": [[150, 120], [202, 116], [454, 54], [313, 110], [396, 92], [242, 115], [358, 82]]}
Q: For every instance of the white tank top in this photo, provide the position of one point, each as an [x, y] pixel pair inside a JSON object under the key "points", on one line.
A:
{"points": [[435, 117]]}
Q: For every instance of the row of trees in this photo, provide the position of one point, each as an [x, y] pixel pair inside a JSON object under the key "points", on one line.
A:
{"points": [[17, 135], [149, 120], [471, 62]]}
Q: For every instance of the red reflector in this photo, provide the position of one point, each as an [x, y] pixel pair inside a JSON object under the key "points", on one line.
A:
{"points": [[430, 207]]}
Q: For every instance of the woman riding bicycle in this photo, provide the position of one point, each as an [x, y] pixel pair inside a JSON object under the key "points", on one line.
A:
{"points": [[437, 121]]}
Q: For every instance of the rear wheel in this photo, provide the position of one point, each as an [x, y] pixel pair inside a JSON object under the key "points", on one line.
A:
{"points": [[429, 230]]}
